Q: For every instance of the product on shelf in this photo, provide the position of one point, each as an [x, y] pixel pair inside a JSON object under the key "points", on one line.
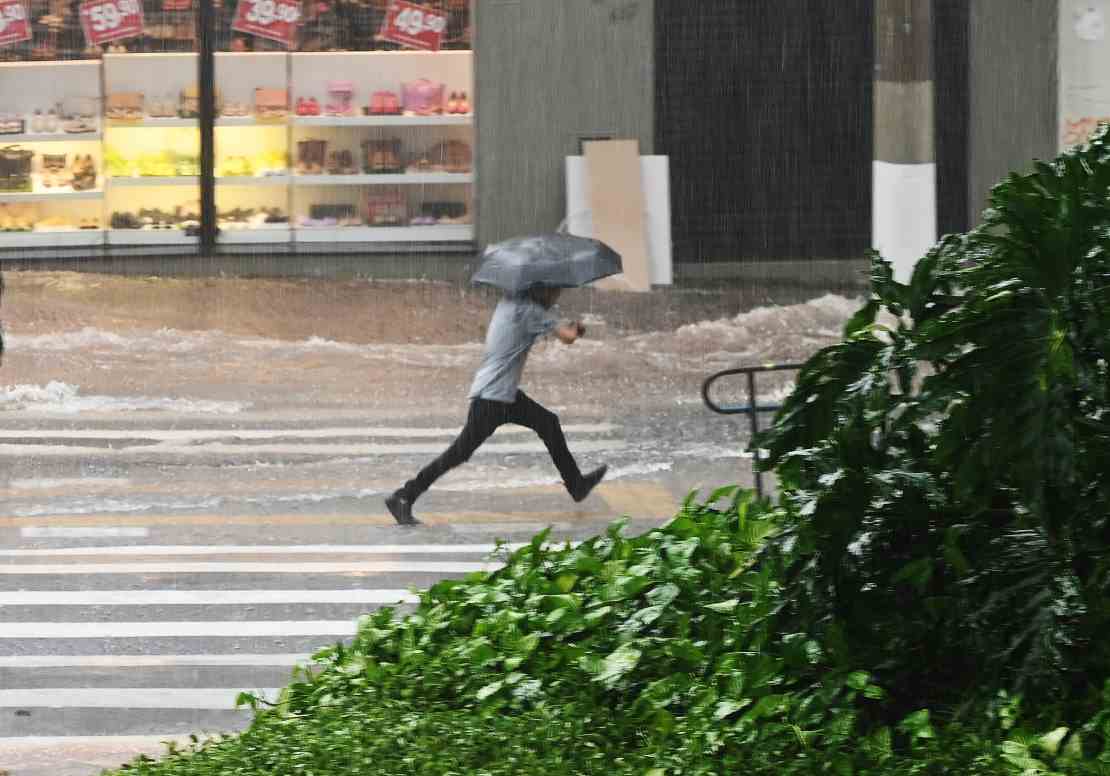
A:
{"points": [[156, 219], [340, 98], [44, 123], [125, 106], [15, 168], [311, 155], [235, 167], [17, 218], [189, 102], [382, 157], [234, 109], [164, 108], [84, 173], [78, 115], [12, 125], [423, 97], [383, 104], [451, 156], [432, 213], [341, 163], [386, 209], [250, 218], [457, 104], [54, 171], [271, 103], [330, 215], [307, 106]]}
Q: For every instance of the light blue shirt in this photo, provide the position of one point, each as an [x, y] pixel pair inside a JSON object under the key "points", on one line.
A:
{"points": [[516, 324]]}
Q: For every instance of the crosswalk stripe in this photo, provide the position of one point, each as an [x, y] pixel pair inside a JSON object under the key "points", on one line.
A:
{"points": [[268, 549], [347, 449], [186, 567], [202, 597], [185, 629], [429, 518], [277, 659], [371, 432], [128, 698], [83, 532]]}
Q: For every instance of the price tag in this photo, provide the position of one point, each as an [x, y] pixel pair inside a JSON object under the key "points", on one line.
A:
{"points": [[414, 26], [14, 27], [108, 20], [270, 19]]}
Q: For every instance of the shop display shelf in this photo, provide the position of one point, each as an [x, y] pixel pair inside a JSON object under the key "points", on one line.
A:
{"points": [[255, 236], [249, 121], [74, 238], [389, 234], [384, 121], [149, 122], [52, 137], [413, 178], [150, 237], [152, 180], [45, 195], [255, 180]]}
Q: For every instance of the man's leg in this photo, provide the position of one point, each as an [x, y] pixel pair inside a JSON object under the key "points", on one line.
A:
{"points": [[483, 419], [526, 412]]}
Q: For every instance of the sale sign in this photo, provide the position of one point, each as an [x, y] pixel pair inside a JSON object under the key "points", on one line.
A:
{"points": [[14, 27], [108, 20], [270, 19], [414, 26]]}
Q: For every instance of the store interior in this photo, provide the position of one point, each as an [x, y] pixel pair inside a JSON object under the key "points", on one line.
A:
{"points": [[311, 147]]}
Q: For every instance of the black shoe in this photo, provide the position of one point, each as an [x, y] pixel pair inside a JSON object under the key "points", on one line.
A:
{"points": [[401, 509], [587, 483]]}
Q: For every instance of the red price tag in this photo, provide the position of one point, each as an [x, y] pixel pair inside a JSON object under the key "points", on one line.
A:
{"points": [[271, 19], [14, 27], [108, 20], [414, 26]]}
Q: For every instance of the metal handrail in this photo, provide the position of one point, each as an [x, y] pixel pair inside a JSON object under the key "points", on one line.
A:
{"points": [[752, 408]]}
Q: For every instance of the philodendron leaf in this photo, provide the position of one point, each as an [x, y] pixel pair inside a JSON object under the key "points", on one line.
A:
{"points": [[619, 664], [724, 607]]}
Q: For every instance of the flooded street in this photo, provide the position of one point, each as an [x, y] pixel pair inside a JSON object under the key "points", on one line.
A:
{"points": [[193, 474]]}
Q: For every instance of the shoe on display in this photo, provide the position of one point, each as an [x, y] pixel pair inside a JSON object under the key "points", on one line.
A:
{"points": [[38, 124], [463, 106]]}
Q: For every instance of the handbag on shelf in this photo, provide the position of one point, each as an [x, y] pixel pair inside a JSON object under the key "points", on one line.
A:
{"points": [[271, 103], [423, 97]]}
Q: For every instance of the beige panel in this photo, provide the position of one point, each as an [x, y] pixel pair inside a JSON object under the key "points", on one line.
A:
{"points": [[548, 72], [617, 205], [904, 122]]}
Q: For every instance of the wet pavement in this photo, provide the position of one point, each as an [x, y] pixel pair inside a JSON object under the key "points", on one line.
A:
{"points": [[193, 472]]}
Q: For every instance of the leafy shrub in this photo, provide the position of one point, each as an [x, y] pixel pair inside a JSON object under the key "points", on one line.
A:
{"points": [[946, 468]]}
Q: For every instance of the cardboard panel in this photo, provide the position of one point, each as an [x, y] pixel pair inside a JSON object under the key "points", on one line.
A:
{"points": [[617, 204]]}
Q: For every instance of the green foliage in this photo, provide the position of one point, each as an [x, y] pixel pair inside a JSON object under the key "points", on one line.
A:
{"points": [[946, 467], [931, 594]]}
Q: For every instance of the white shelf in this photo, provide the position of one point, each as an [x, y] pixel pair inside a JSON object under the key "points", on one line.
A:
{"points": [[399, 234], [256, 180], [152, 180], [150, 237], [51, 137], [252, 236], [75, 238], [40, 195], [414, 178], [384, 121], [249, 121], [151, 122]]}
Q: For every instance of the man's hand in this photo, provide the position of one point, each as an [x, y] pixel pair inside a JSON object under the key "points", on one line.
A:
{"points": [[569, 332]]}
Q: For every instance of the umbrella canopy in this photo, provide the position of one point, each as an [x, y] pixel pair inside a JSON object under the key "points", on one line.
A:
{"points": [[546, 261]]}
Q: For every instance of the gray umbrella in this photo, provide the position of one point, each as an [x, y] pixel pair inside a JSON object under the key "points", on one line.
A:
{"points": [[549, 260]]}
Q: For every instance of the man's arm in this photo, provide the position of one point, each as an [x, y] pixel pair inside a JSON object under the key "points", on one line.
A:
{"points": [[569, 332]]}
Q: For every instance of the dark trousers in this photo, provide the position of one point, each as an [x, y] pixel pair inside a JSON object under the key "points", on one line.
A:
{"points": [[484, 418]]}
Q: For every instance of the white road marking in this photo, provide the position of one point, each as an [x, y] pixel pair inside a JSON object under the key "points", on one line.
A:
{"points": [[201, 597], [127, 698], [186, 567], [373, 432], [345, 449], [189, 629], [267, 549], [151, 661], [83, 532]]}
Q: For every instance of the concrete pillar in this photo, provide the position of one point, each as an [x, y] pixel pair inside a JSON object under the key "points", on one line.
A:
{"points": [[904, 200]]}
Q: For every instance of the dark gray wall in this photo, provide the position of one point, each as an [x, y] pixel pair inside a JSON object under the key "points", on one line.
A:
{"points": [[1013, 47], [548, 72]]}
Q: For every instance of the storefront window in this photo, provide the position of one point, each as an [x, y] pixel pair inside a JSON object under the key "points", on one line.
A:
{"points": [[341, 137]]}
